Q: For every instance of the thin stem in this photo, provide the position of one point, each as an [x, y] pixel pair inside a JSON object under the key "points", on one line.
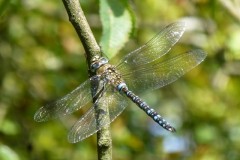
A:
{"points": [[78, 20]]}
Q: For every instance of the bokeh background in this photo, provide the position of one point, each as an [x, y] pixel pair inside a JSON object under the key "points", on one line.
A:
{"points": [[42, 59]]}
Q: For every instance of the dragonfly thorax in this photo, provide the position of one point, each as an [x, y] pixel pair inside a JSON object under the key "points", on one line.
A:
{"points": [[111, 75]]}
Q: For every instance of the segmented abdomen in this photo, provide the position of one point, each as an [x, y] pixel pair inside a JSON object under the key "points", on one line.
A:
{"points": [[150, 112]]}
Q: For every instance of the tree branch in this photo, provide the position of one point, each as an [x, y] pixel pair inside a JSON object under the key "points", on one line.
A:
{"points": [[78, 20]]}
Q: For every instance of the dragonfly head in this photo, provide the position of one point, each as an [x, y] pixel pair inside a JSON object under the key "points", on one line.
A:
{"points": [[97, 62]]}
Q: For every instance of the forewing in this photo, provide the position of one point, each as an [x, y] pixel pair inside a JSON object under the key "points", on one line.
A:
{"points": [[155, 48], [71, 102], [160, 73], [112, 101]]}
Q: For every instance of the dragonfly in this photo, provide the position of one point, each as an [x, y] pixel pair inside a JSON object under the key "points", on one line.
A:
{"points": [[115, 86]]}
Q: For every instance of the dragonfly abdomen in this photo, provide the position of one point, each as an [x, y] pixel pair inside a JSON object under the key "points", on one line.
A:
{"points": [[150, 112]]}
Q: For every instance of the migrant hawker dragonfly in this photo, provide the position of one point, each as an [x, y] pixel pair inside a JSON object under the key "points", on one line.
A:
{"points": [[115, 85]]}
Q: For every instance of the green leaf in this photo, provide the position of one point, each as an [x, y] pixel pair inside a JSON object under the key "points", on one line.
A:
{"points": [[117, 21]]}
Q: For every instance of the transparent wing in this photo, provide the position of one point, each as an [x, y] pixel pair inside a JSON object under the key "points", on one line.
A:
{"points": [[155, 48], [160, 73], [113, 102], [71, 102]]}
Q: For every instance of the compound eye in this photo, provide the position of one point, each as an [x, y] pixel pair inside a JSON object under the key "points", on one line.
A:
{"points": [[104, 60], [94, 66]]}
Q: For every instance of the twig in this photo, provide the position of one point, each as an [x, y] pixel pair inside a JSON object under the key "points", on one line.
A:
{"points": [[78, 20]]}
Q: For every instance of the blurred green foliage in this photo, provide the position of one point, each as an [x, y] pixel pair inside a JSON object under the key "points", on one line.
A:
{"points": [[42, 59]]}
